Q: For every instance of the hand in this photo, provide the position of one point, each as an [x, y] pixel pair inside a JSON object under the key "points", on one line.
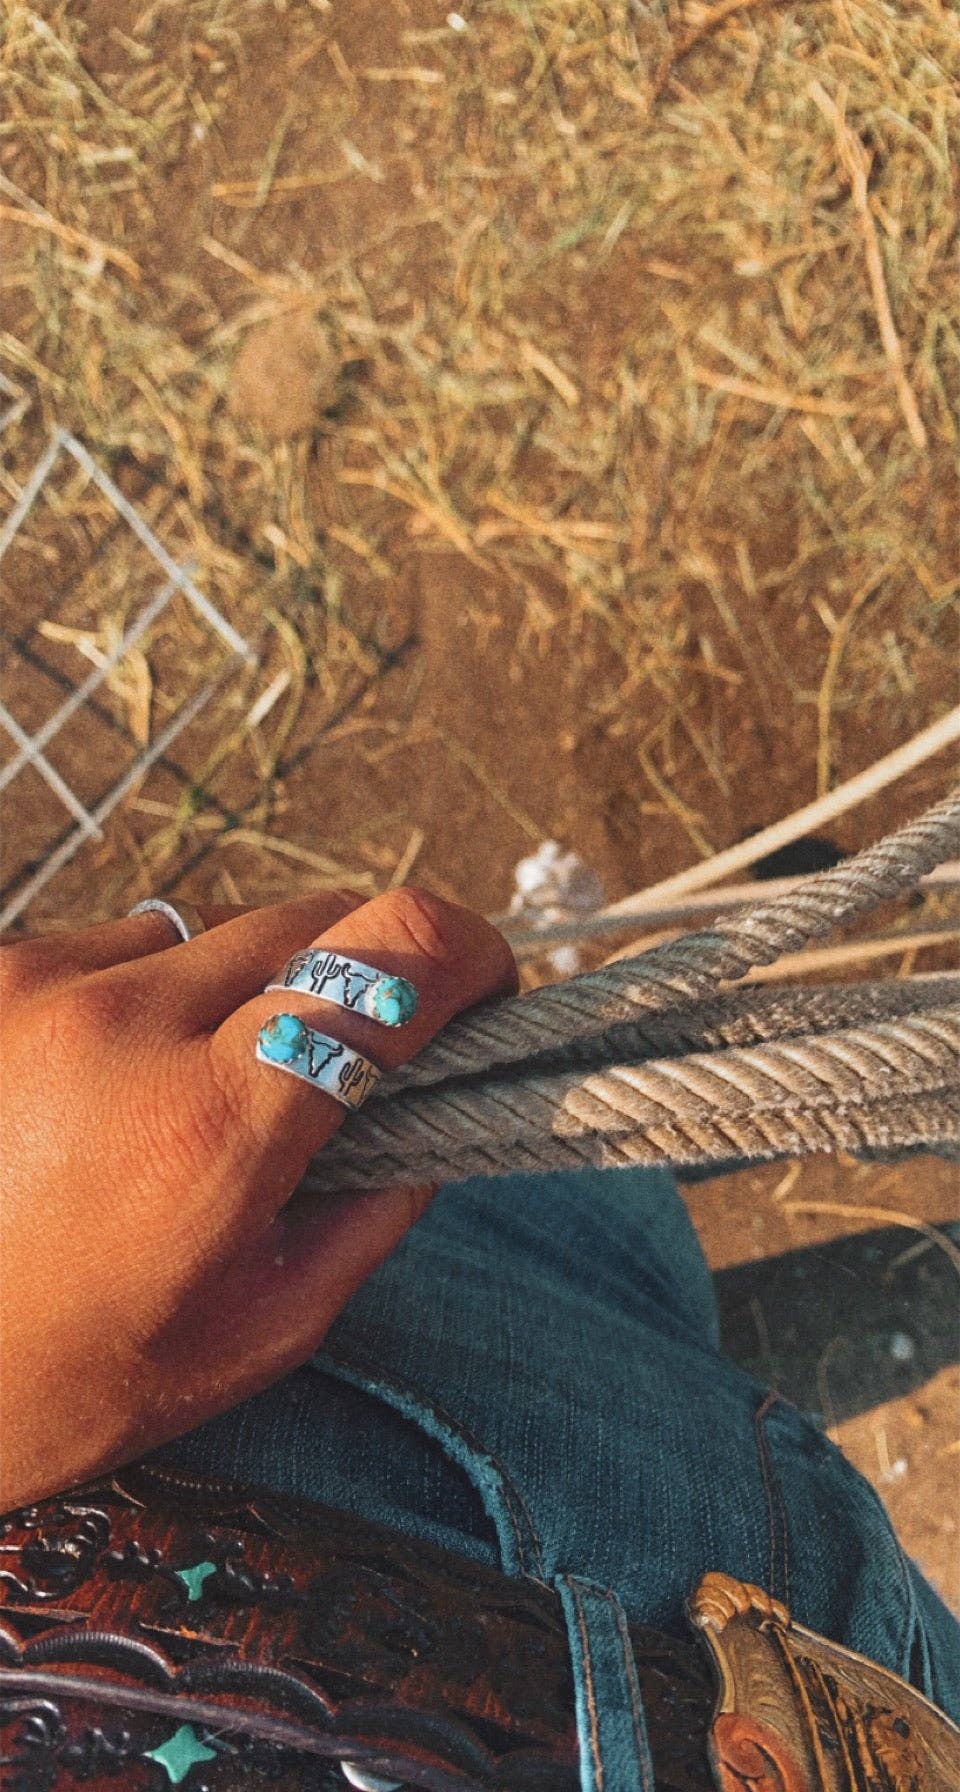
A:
{"points": [[149, 1277]]}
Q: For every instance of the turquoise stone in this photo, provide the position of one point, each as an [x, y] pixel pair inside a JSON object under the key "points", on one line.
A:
{"points": [[283, 1038], [183, 1751], [193, 1578], [393, 1000]]}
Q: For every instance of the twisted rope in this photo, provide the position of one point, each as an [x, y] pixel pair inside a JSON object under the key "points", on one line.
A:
{"points": [[745, 1016], [927, 1122], [740, 1101], [647, 1062], [562, 1016]]}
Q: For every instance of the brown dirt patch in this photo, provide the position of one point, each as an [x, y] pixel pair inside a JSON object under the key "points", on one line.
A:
{"points": [[283, 377]]}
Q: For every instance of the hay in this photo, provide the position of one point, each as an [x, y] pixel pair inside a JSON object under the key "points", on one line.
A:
{"points": [[643, 316]]}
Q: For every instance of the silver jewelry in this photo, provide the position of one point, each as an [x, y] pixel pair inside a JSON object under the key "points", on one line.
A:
{"points": [[368, 1782], [349, 984], [327, 1063], [184, 919]]}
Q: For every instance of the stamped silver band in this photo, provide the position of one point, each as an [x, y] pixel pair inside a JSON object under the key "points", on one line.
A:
{"points": [[349, 984], [184, 918], [315, 1058]]}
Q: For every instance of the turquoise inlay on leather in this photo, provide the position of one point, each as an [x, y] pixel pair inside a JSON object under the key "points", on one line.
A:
{"points": [[182, 1751], [193, 1578]]}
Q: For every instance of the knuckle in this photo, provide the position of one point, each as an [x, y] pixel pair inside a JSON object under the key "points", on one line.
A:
{"points": [[423, 920], [86, 1015]]}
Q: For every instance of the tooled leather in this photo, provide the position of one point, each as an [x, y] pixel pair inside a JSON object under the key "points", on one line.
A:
{"points": [[295, 1635]]}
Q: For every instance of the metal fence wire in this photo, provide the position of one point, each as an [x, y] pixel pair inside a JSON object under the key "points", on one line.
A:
{"points": [[30, 748]]}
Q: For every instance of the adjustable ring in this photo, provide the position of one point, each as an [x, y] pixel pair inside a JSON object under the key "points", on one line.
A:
{"points": [[315, 1058], [358, 987], [184, 919]]}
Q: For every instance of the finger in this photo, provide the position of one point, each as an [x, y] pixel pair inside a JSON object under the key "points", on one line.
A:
{"points": [[185, 986], [276, 1299], [46, 959], [135, 936], [452, 956]]}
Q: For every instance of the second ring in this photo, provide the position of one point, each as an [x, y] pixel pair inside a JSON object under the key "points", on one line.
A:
{"points": [[315, 1058]]}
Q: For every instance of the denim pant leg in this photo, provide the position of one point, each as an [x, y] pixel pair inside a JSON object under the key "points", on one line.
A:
{"points": [[533, 1379]]}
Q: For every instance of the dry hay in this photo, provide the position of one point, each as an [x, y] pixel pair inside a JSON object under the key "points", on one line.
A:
{"points": [[634, 324]]}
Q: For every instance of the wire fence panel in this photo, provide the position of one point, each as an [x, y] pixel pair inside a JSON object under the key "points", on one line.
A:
{"points": [[81, 744]]}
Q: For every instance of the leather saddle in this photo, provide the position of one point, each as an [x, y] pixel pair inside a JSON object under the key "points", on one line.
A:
{"points": [[157, 1629]]}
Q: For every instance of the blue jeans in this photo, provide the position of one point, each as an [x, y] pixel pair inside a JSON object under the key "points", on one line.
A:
{"points": [[534, 1379]]}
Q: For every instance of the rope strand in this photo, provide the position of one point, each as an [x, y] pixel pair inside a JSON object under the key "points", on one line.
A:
{"points": [[563, 1015], [445, 1134], [648, 1061], [930, 1121], [746, 1016]]}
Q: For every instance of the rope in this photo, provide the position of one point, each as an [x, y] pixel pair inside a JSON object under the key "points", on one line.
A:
{"points": [[748, 1016], [563, 1015], [749, 1098], [648, 1061], [929, 1122], [933, 739], [530, 941]]}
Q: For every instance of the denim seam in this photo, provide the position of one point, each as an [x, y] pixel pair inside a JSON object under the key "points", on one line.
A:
{"points": [[510, 1492], [630, 1669], [578, 1585], [776, 1509], [528, 1517], [912, 1620], [588, 1682]]}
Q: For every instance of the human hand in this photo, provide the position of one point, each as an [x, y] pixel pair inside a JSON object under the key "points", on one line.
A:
{"points": [[149, 1276]]}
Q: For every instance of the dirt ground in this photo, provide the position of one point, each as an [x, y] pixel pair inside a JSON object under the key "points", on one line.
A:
{"points": [[830, 1291], [520, 388]]}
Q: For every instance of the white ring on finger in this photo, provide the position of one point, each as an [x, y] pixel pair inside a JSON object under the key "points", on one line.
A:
{"points": [[185, 920]]}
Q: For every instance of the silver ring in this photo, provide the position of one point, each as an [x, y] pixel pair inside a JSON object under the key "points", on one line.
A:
{"points": [[184, 919], [328, 1064], [368, 1782], [349, 984]]}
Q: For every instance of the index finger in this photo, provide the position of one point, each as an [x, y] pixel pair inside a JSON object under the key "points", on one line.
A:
{"points": [[451, 955]]}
